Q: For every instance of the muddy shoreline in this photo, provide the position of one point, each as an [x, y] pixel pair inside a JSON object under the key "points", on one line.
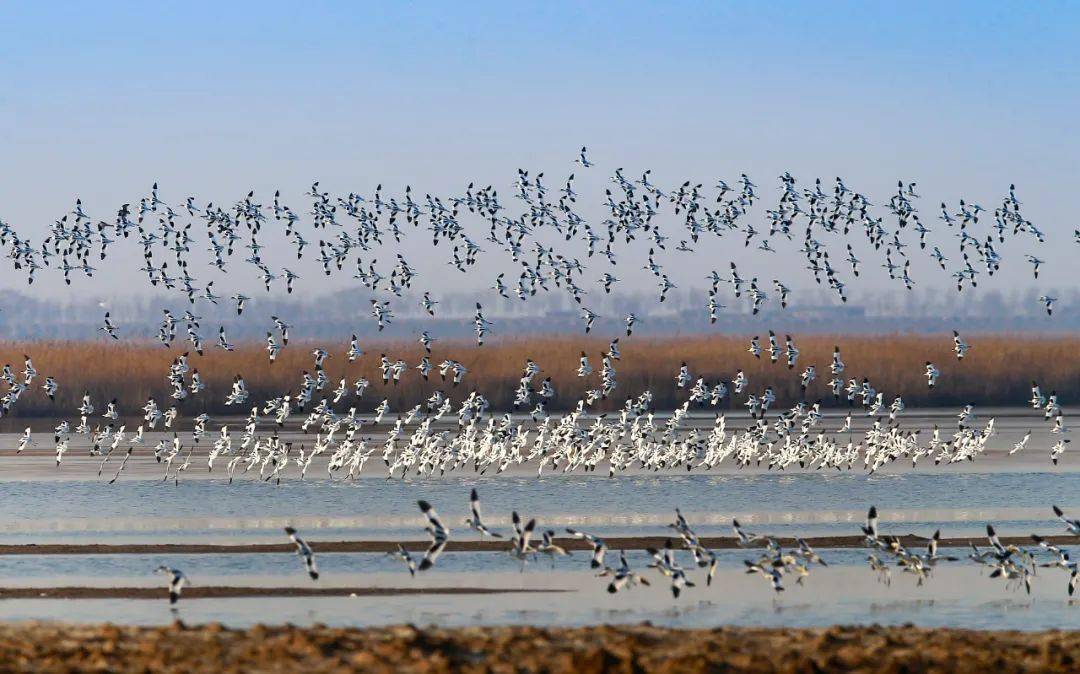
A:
{"points": [[613, 543], [585, 650]]}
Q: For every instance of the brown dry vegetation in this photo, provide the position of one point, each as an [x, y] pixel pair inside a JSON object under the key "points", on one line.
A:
{"points": [[998, 369], [586, 650]]}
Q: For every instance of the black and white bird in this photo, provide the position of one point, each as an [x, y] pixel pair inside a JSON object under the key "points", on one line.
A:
{"points": [[403, 554], [755, 347], [1072, 525], [240, 301], [304, 550], [1048, 302], [599, 548], [745, 538], [932, 374], [870, 529], [769, 572], [521, 545], [474, 521], [959, 346], [438, 533], [582, 159], [283, 329], [622, 575], [50, 387], [354, 351], [1021, 444], [177, 581], [24, 441], [223, 341], [108, 327], [664, 562], [549, 547], [1035, 264]]}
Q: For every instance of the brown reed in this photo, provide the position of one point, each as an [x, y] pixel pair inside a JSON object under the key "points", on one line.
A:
{"points": [[998, 370]]}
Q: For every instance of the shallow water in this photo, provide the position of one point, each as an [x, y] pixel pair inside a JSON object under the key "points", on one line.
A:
{"points": [[808, 504], [846, 591], [74, 505]]}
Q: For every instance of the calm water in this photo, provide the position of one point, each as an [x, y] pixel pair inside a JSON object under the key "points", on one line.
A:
{"points": [[844, 592], [811, 504], [41, 505]]}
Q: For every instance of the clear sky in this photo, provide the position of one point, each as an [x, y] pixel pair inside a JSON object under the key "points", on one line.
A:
{"points": [[101, 99]]}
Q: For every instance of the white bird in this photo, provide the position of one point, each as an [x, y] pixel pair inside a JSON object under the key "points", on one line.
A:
{"points": [[1020, 445], [25, 441]]}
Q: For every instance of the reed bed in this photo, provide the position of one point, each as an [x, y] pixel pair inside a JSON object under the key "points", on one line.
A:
{"points": [[997, 371]]}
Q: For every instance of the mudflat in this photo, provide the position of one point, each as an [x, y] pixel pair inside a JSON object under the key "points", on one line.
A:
{"points": [[231, 592], [613, 542]]}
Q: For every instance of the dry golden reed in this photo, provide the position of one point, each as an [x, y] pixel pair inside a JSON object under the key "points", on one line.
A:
{"points": [[998, 370]]}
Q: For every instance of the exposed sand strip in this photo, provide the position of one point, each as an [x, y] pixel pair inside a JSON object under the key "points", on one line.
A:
{"points": [[613, 543], [197, 592]]}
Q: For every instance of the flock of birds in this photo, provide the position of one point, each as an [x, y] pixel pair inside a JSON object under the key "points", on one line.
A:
{"points": [[1015, 565], [634, 210], [425, 440], [539, 241]]}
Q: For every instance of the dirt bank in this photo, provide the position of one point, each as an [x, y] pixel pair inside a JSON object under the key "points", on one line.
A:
{"points": [[613, 543], [226, 591], [212, 648]]}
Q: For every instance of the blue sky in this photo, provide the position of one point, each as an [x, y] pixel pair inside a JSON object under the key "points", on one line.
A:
{"points": [[965, 97]]}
